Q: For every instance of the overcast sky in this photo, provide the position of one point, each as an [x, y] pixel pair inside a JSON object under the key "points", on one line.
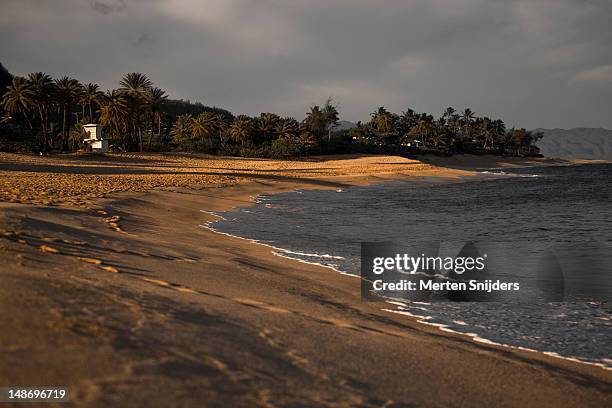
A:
{"points": [[541, 63]]}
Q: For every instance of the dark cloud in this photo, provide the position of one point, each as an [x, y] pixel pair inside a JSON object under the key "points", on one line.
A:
{"points": [[143, 39], [535, 63], [108, 7]]}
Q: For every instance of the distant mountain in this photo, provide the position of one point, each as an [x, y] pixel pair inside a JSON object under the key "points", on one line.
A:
{"points": [[577, 143], [344, 124]]}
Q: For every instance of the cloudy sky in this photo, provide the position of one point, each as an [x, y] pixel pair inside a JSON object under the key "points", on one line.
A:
{"points": [[539, 63]]}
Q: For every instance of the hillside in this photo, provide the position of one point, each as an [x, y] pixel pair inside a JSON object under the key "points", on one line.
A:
{"points": [[577, 143], [5, 79]]}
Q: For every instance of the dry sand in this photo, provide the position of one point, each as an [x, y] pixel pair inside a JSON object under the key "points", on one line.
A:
{"points": [[117, 292]]}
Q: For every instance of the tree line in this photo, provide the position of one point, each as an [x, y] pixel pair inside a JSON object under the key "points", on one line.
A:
{"points": [[452, 132], [46, 114]]}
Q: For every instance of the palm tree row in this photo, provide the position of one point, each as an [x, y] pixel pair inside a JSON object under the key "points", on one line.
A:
{"points": [[208, 130], [43, 103], [135, 116], [52, 107], [451, 132]]}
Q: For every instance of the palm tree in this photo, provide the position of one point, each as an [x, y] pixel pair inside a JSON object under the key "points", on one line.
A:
{"points": [[383, 120], [448, 113], [453, 124], [407, 121], [315, 121], [79, 95], [468, 115], [67, 90], [155, 99], [135, 85], [43, 89], [288, 128], [114, 111], [91, 96], [267, 125], [18, 99], [241, 129], [181, 129], [440, 137], [450, 119], [331, 116], [204, 126], [307, 141], [499, 129], [424, 129], [499, 126], [491, 132], [223, 124], [466, 121]]}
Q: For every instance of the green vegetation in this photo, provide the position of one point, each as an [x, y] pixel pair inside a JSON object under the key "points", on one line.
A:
{"points": [[39, 113]]}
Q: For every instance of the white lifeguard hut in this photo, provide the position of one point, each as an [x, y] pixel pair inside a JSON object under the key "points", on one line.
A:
{"points": [[95, 142]]}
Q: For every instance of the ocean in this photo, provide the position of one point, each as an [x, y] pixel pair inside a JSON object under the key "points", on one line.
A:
{"points": [[519, 213]]}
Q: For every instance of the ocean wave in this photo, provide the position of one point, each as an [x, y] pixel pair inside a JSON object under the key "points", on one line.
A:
{"points": [[415, 310], [420, 312], [503, 173], [308, 242], [312, 255], [403, 309]]}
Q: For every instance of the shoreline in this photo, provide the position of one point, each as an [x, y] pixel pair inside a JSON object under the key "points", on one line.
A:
{"points": [[422, 319], [221, 309]]}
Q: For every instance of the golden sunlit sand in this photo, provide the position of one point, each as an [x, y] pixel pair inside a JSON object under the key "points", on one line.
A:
{"points": [[111, 285], [78, 179]]}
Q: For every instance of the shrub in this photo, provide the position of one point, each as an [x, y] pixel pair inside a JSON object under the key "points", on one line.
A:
{"points": [[285, 148], [228, 149], [251, 150], [18, 139]]}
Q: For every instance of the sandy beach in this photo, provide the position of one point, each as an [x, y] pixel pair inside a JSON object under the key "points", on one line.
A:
{"points": [[111, 286]]}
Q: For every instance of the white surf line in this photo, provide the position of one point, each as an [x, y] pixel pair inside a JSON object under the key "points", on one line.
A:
{"points": [[418, 318], [324, 256], [280, 252], [256, 199], [214, 214], [477, 339], [508, 174], [332, 267], [259, 198]]}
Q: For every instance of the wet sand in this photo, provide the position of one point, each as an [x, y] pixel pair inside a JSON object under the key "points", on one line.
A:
{"points": [[118, 292]]}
